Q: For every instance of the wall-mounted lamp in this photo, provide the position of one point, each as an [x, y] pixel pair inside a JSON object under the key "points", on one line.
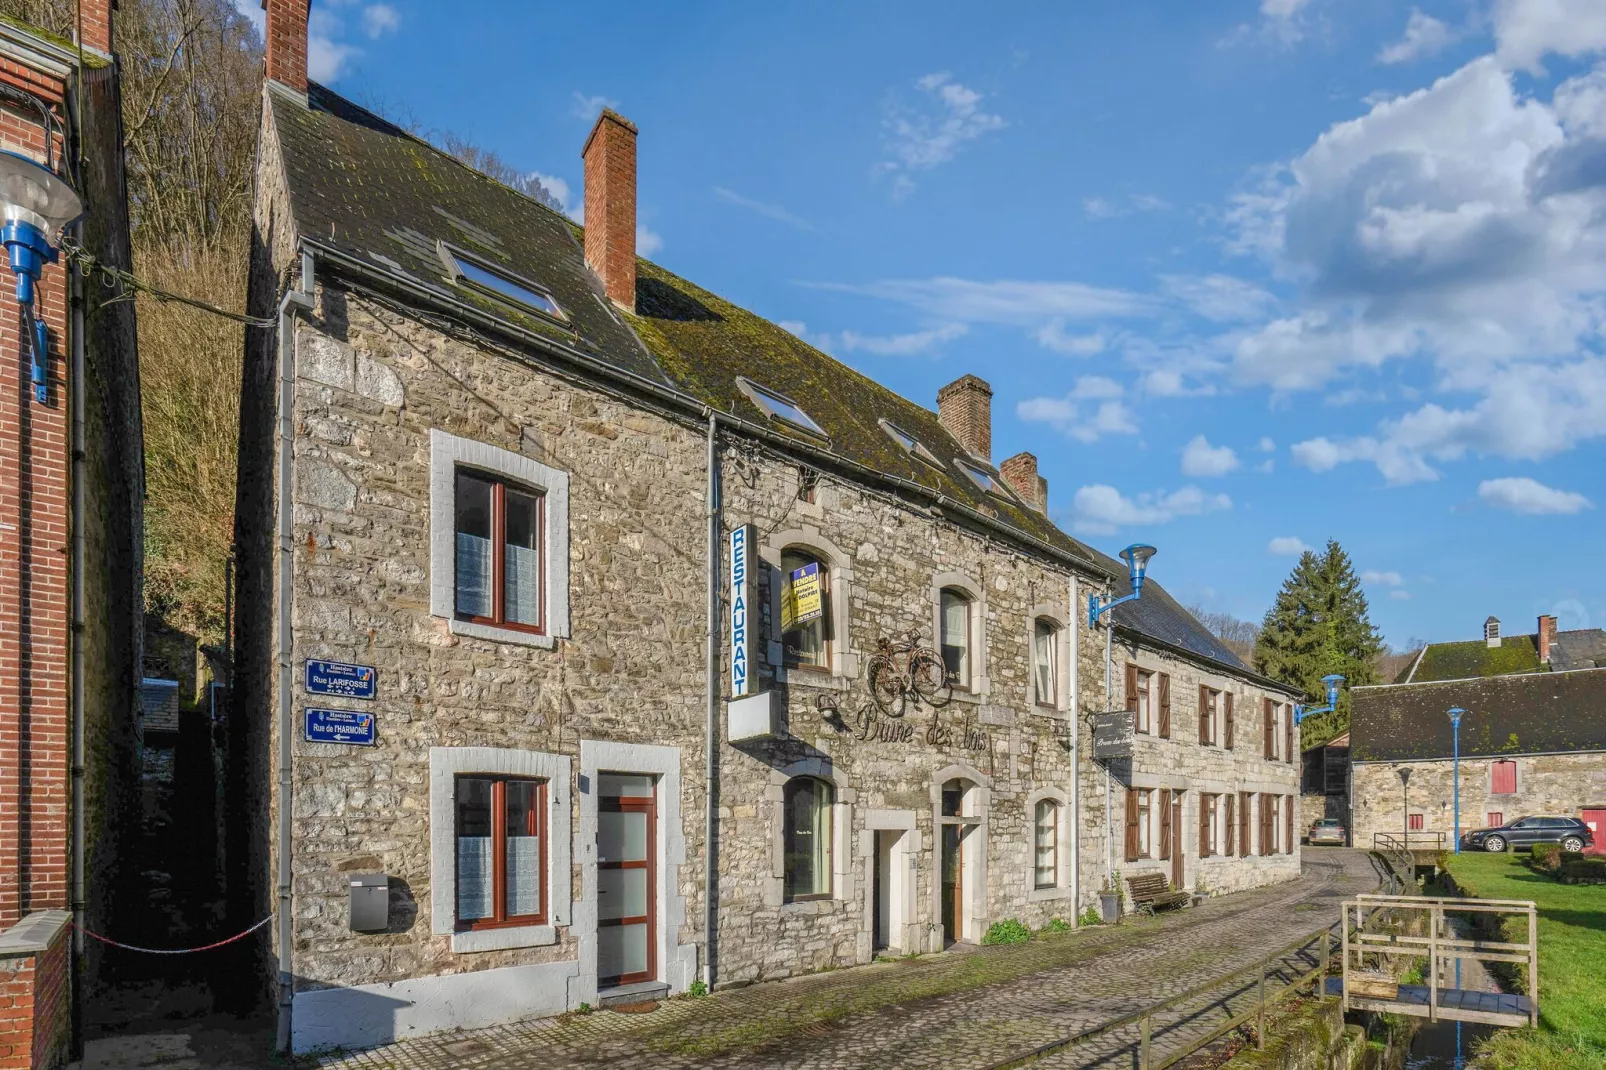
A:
{"points": [[36, 205], [1136, 557], [1331, 681]]}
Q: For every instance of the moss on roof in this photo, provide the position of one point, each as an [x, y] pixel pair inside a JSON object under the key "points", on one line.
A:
{"points": [[66, 44], [1523, 713], [1461, 661]]}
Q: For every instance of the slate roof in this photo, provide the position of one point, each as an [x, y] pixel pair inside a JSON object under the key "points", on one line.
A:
{"points": [[365, 188], [1582, 648], [1524, 713]]}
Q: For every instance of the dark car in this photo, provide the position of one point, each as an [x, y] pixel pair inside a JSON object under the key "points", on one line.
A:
{"points": [[1521, 834]]}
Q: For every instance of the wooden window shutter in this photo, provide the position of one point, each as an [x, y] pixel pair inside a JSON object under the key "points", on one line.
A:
{"points": [[1204, 826], [1204, 715], [1227, 726], [1288, 731], [1131, 687], [1288, 824], [1229, 825], [1131, 824], [1165, 705], [1165, 823], [1269, 714]]}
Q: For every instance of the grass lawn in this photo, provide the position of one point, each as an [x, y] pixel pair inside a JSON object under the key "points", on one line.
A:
{"points": [[1572, 945]]}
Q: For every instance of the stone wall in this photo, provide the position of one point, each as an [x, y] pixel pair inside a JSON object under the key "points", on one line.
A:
{"points": [[1558, 785]]}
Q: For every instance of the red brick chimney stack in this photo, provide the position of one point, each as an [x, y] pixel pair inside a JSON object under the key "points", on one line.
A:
{"points": [[965, 407], [96, 16], [1547, 635], [610, 163], [1020, 472], [287, 42]]}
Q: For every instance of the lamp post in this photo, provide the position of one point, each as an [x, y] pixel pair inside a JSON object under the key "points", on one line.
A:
{"points": [[35, 204], [1331, 682], [1456, 713], [1405, 788], [1136, 557]]}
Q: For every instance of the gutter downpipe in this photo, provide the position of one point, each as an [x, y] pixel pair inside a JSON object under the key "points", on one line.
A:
{"points": [[1109, 696], [294, 299], [711, 757], [1076, 762], [75, 301]]}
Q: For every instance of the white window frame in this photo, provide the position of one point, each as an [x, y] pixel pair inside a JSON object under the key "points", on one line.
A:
{"points": [[453, 258], [1063, 862], [446, 764], [1055, 615], [978, 685], [448, 453], [761, 396], [1145, 719]]}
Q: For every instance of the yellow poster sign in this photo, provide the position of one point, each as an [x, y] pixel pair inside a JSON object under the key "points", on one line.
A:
{"points": [[800, 599]]}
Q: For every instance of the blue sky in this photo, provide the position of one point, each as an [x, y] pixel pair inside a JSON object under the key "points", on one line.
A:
{"points": [[1245, 275]]}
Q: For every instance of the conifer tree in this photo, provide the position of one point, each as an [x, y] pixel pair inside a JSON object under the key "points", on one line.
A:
{"points": [[1319, 624]]}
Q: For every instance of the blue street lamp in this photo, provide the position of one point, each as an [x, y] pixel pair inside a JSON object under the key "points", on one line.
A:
{"points": [[1331, 681], [1136, 557], [35, 204], [1456, 713]]}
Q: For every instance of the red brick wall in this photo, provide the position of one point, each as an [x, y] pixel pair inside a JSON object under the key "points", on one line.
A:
{"points": [[33, 1008]]}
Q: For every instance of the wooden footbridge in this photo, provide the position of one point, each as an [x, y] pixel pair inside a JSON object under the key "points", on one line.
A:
{"points": [[1384, 928]]}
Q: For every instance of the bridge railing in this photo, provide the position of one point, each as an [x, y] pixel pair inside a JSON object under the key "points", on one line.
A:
{"points": [[1415, 840]]}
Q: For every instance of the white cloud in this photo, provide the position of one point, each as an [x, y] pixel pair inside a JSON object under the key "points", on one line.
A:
{"points": [[1107, 208], [1169, 383], [582, 106], [1381, 579], [1109, 416], [1101, 509], [797, 327], [647, 241], [1424, 36], [1002, 301], [1282, 22], [326, 59], [768, 211], [1266, 445], [1400, 596], [1520, 494], [380, 19], [921, 139], [1525, 30], [1201, 459], [1052, 335], [1287, 546], [573, 207], [1221, 298], [899, 345]]}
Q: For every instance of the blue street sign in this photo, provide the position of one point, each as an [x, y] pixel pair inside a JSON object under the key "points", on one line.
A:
{"points": [[339, 678], [341, 726]]}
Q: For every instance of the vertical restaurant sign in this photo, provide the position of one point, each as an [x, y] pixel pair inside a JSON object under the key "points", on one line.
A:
{"points": [[800, 601], [741, 540]]}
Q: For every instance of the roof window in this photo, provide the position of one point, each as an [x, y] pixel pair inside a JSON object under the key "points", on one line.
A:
{"points": [[475, 274], [982, 478], [907, 441], [779, 407]]}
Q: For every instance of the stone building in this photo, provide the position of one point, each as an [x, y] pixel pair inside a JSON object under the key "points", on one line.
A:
{"points": [[70, 494], [601, 563], [1532, 744]]}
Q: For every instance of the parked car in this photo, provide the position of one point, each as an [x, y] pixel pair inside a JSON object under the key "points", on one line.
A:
{"points": [[1521, 834], [1327, 830]]}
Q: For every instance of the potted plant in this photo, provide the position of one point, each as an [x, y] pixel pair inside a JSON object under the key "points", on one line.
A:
{"points": [[1110, 899]]}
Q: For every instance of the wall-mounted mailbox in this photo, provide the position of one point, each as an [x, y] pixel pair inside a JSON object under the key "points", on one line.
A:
{"points": [[369, 895]]}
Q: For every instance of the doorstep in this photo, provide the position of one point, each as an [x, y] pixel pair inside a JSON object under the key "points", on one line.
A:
{"points": [[639, 992]]}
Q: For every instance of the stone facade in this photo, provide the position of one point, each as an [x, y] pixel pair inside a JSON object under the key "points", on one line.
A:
{"points": [[1557, 785]]}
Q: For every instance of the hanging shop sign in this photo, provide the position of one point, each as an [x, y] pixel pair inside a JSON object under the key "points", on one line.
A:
{"points": [[1112, 734], [340, 726], [742, 635], [340, 678], [800, 601]]}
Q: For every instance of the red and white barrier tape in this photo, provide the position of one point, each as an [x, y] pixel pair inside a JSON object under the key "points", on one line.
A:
{"points": [[177, 950]]}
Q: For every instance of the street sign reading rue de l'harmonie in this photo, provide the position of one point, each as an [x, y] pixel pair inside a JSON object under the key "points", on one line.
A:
{"points": [[1112, 734], [341, 680]]}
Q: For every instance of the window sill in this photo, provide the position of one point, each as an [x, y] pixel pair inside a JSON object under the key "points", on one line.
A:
{"points": [[503, 939], [1043, 895], [470, 630], [809, 906]]}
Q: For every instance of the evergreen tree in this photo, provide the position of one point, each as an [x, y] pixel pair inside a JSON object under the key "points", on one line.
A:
{"points": [[1319, 625]]}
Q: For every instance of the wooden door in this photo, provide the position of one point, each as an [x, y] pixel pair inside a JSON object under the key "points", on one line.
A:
{"points": [[627, 880], [953, 896], [1596, 820]]}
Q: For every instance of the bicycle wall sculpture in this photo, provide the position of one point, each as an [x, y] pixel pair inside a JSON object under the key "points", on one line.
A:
{"points": [[907, 669]]}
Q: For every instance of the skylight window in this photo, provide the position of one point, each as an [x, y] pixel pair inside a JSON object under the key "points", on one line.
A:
{"points": [[505, 286], [907, 441], [779, 407], [982, 478]]}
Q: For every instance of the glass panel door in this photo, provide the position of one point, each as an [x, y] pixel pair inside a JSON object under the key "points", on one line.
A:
{"points": [[626, 880], [953, 929]]}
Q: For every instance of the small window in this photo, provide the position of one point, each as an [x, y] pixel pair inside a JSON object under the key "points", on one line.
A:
{"points": [[808, 484], [779, 407], [1414, 822], [1209, 699], [805, 610], [1145, 809], [953, 798], [909, 443], [1047, 843], [982, 478], [1143, 719], [807, 816], [498, 558], [1495, 819], [1045, 646], [955, 640], [474, 274], [501, 868]]}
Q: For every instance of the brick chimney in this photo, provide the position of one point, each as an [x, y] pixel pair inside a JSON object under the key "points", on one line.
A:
{"points": [[1547, 635], [610, 162], [1020, 472], [286, 39], [97, 21], [965, 407]]}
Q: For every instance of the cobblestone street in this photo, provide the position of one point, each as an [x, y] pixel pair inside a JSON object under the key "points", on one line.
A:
{"points": [[971, 1008]]}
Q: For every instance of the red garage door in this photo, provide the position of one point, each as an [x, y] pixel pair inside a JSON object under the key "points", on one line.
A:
{"points": [[1596, 820]]}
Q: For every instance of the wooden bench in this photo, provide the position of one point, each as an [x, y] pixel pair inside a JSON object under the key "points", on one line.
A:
{"points": [[1151, 892]]}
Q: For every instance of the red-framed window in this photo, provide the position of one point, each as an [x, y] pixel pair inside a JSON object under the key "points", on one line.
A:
{"points": [[501, 851], [1503, 777], [1414, 822], [500, 555]]}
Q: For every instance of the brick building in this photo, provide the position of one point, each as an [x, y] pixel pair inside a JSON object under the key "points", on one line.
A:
{"points": [[70, 487], [619, 555]]}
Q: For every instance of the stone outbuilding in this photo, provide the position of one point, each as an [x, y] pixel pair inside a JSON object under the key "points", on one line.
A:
{"points": [[563, 588]]}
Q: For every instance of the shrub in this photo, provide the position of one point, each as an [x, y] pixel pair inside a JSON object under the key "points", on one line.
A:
{"points": [[1008, 931], [1590, 871], [1546, 857], [697, 989], [1057, 925], [1090, 916]]}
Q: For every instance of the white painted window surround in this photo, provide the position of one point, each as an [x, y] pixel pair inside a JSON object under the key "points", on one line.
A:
{"points": [[1061, 888], [445, 765], [978, 684], [448, 452]]}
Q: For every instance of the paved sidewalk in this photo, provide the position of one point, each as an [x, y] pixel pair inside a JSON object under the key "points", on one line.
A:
{"points": [[974, 1008]]}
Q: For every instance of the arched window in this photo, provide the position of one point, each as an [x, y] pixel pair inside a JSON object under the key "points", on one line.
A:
{"points": [[805, 609], [806, 812], [1046, 843], [1045, 661], [955, 638]]}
